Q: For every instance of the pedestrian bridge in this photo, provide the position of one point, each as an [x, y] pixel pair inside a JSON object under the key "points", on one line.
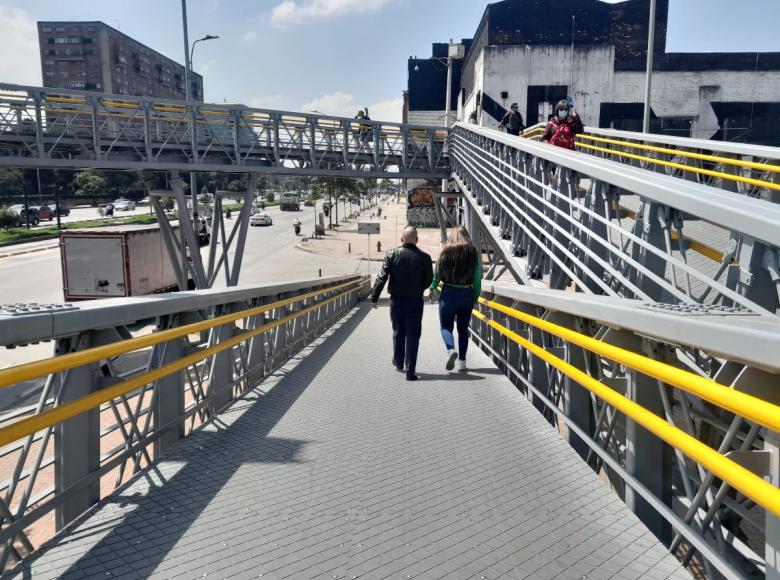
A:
{"points": [[621, 418]]}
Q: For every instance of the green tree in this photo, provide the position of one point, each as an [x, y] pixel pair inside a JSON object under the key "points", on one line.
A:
{"points": [[11, 182]]}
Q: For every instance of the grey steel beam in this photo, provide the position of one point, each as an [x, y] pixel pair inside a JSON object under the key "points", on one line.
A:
{"points": [[113, 312]]}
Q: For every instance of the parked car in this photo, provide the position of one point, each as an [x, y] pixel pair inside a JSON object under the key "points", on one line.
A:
{"points": [[62, 210], [31, 215], [309, 203], [261, 219], [124, 205], [44, 212]]}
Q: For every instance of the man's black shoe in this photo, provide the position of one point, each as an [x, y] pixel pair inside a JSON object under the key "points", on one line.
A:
{"points": [[399, 368], [411, 377]]}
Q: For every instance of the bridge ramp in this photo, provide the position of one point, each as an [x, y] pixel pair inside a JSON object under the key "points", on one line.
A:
{"points": [[336, 467]]}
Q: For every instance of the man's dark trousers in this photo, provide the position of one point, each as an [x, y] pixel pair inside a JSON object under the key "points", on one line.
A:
{"points": [[406, 316]]}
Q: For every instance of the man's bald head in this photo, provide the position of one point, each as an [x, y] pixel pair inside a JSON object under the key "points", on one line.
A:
{"points": [[409, 235]]}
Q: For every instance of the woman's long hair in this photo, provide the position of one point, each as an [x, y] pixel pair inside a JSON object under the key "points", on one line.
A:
{"points": [[458, 259]]}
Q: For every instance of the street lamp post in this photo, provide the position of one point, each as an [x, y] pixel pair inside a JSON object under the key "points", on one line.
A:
{"points": [[188, 54]]}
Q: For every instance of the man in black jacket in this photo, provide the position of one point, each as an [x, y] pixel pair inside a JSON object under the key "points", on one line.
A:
{"points": [[513, 121], [410, 271]]}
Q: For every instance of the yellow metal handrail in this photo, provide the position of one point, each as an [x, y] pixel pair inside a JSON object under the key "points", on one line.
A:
{"points": [[720, 174], [679, 153], [740, 478], [751, 408], [25, 372], [31, 425]]}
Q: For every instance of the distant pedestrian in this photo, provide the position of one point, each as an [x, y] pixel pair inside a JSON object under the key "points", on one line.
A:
{"points": [[459, 278], [513, 121], [364, 129], [410, 272], [565, 125], [228, 214]]}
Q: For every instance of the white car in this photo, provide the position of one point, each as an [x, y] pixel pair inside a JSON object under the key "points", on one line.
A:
{"points": [[124, 205], [261, 219]]}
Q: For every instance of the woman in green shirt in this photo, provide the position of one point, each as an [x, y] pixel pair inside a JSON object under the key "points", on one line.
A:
{"points": [[458, 276]]}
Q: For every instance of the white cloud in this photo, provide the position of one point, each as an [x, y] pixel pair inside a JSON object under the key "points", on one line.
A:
{"points": [[277, 101], [249, 37], [291, 12], [341, 104], [20, 61]]}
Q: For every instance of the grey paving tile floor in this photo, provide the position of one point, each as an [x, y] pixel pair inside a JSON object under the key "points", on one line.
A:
{"points": [[336, 467]]}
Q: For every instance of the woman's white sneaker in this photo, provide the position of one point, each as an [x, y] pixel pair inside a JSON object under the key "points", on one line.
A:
{"points": [[452, 354], [462, 368]]}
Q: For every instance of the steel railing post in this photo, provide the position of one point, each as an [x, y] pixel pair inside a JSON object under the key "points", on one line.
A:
{"points": [[77, 440], [772, 532], [577, 402], [220, 391], [648, 458], [169, 399]]}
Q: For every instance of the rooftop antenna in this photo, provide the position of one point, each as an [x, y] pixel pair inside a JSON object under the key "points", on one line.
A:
{"points": [[118, 24]]}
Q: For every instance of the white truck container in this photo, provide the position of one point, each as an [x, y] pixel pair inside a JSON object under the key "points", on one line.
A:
{"points": [[114, 261], [289, 201]]}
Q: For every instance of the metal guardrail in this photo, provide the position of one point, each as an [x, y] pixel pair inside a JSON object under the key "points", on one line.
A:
{"points": [[693, 454], [50, 128], [561, 218], [743, 168], [131, 377]]}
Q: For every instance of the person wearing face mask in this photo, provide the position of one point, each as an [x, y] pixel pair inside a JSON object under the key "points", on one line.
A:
{"points": [[564, 126]]}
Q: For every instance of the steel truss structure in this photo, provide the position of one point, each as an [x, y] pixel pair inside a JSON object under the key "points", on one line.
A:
{"points": [[51, 128], [700, 515], [565, 219], [132, 376]]}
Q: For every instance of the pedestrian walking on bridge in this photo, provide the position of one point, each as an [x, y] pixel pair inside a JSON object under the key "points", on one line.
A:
{"points": [[513, 121], [459, 279], [409, 271]]}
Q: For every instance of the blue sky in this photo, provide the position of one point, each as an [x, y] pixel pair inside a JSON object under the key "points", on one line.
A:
{"points": [[330, 55]]}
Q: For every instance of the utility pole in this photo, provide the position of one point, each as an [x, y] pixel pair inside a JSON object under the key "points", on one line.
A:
{"points": [[649, 72]]}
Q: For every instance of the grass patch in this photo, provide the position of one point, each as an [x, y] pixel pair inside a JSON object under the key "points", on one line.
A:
{"points": [[22, 234]]}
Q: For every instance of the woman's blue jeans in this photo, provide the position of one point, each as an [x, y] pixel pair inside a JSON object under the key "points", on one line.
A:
{"points": [[455, 305]]}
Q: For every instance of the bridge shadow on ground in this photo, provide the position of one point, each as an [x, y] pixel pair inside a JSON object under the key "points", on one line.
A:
{"points": [[137, 527]]}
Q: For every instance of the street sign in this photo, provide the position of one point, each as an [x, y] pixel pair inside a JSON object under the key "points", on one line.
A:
{"points": [[368, 228]]}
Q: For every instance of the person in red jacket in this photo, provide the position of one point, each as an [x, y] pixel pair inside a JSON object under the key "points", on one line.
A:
{"points": [[563, 127]]}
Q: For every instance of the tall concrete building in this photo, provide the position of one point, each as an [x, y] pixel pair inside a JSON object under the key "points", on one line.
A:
{"points": [[525, 51], [96, 57]]}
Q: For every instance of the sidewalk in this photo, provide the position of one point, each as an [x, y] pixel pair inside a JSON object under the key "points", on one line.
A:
{"points": [[28, 247], [345, 242]]}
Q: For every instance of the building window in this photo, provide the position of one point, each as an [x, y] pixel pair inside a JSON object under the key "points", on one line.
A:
{"points": [[45, 28], [67, 40], [48, 63], [75, 85], [50, 74], [91, 29], [59, 29]]}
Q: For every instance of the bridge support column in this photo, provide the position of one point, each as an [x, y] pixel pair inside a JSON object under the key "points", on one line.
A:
{"points": [[648, 458], [77, 440], [169, 399]]}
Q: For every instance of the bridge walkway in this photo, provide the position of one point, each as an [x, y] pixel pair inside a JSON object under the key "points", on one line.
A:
{"points": [[335, 467]]}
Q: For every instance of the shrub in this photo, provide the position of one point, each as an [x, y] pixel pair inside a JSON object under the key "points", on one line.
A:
{"points": [[8, 219]]}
